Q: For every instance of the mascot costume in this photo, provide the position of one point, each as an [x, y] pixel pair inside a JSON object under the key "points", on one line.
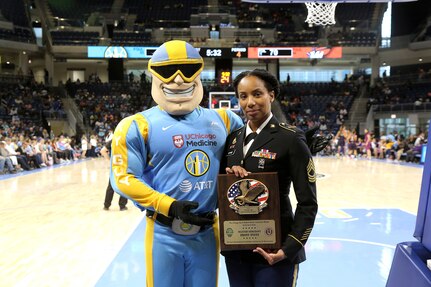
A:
{"points": [[166, 160]]}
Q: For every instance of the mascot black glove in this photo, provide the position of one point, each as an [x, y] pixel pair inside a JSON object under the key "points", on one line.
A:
{"points": [[316, 142], [181, 209]]}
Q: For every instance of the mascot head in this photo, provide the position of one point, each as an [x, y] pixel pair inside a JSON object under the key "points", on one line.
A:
{"points": [[176, 86]]}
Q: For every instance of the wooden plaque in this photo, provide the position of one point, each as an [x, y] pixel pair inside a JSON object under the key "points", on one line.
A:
{"points": [[249, 211]]}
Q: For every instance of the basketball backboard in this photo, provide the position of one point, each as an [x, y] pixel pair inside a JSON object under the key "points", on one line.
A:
{"points": [[223, 100]]}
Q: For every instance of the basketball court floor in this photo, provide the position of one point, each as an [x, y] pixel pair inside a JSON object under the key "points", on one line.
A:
{"points": [[54, 231]]}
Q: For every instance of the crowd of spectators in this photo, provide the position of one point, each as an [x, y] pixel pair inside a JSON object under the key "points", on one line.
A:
{"points": [[395, 94], [324, 104], [26, 142], [103, 105], [29, 101], [27, 145], [393, 147]]}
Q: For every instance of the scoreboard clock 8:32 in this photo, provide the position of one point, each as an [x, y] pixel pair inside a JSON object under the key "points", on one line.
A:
{"points": [[226, 53]]}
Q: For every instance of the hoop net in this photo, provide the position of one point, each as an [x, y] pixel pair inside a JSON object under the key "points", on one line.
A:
{"points": [[321, 13]]}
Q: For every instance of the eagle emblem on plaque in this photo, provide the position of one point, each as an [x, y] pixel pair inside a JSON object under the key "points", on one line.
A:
{"points": [[248, 196]]}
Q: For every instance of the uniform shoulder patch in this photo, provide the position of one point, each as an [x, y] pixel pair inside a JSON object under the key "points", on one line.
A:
{"points": [[288, 127], [311, 171]]}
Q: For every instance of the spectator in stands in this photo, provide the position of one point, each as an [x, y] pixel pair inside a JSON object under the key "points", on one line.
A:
{"points": [[13, 159], [16, 158], [5, 161], [411, 154], [389, 150], [418, 102], [360, 148], [420, 139], [375, 149], [45, 134], [40, 151], [2, 164], [401, 147], [342, 110], [93, 146], [33, 157], [84, 145], [63, 150], [381, 148]]}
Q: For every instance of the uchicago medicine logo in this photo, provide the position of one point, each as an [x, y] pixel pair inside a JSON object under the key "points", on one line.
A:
{"points": [[178, 141]]}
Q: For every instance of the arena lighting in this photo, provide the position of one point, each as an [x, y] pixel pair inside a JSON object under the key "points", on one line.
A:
{"points": [[393, 116]]}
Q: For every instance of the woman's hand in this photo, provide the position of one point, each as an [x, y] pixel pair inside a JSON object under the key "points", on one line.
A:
{"points": [[239, 171], [271, 257]]}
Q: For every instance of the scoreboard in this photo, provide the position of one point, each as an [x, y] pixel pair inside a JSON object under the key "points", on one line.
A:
{"points": [[221, 53], [224, 53], [294, 52]]}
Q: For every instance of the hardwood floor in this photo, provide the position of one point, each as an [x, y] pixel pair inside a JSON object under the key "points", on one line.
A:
{"points": [[54, 231]]}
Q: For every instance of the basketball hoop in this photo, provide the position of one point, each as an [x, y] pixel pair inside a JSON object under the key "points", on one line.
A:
{"points": [[321, 13]]}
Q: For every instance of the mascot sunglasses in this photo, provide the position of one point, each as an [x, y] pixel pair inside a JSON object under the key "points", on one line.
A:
{"points": [[167, 72]]}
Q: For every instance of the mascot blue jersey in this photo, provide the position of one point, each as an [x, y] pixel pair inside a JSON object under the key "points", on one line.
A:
{"points": [[158, 158]]}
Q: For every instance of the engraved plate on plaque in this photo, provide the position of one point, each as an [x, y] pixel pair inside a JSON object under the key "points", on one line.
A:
{"points": [[249, 232]]}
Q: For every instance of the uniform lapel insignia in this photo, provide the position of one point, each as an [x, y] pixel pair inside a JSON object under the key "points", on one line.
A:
{"points": [[264, 153], [232, 145]]}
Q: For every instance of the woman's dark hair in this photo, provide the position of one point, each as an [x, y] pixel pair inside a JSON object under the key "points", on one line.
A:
{"points": [[271, 82]]}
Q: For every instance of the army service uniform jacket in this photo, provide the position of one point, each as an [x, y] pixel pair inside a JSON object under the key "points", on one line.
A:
{"points": [[280, 148]]}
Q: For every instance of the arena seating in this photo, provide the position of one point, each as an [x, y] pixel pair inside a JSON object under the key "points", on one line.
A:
{"points": [[14, 11], [75, 13], [75, 38]]}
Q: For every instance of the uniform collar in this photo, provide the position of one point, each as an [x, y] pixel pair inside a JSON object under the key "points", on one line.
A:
{"points": [[248, 130], [260, 140]]}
